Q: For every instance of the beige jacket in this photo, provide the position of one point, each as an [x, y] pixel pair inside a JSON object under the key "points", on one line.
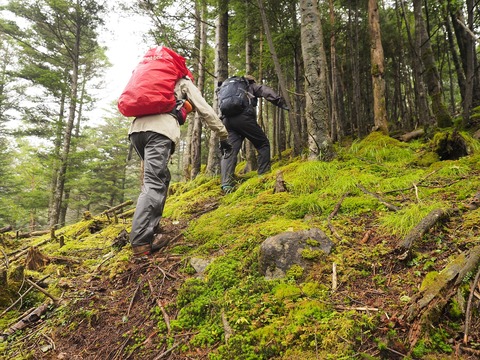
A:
{"points": [[166, 124]]}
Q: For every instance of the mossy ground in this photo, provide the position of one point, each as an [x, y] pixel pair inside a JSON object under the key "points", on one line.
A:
{"points": [[116, 308]]}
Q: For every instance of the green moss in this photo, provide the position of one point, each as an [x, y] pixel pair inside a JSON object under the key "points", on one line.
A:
{"points": [[295, 272], [311, 254], [283, 291], [402, 221]]}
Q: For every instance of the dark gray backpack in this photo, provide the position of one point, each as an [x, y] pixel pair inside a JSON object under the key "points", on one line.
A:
{"points": [[233, 96]]}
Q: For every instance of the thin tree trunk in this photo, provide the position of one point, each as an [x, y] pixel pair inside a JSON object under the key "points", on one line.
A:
{"points": [[431, 75], [470, 63], [419, 85], [221, 71], [297, 145], [196, 144], [356, 109], [456, 61], [251, 158], [64, 156], [378, 69], [334, 123]]}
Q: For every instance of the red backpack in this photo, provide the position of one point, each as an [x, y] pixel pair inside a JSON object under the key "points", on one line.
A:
{"points": [[150, 89]]}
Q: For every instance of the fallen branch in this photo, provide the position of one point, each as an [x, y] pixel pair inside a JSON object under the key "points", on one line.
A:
{"points": [[166, 318], [18, 253], [133, 298], [6, 229], [115, 208], [419, 230], [469, 308], [412, 135], [21, 296], [167, 352], [439, 289], [417, 184], [360, 308], [333, 213], [32, 234], [25, 321], [45, 292], [376, 196]]}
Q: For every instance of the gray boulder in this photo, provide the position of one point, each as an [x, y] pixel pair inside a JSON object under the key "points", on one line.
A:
{"points": [[280, 252]]}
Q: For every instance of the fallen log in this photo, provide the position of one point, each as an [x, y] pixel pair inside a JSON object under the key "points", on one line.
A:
{"points": [[435, 216], [6, 229], [25, 321], [115, 208], [437, 289], [22, 295], [412, 135]]}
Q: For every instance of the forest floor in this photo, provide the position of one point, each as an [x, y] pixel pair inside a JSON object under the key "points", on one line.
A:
{"points": [[113, 317], [114, 307]]}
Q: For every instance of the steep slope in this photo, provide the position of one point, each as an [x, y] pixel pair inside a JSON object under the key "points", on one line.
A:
{"points": [[363, 301]]}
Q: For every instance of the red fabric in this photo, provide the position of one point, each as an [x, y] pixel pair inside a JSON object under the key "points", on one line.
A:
{"points": [[150, 89]]}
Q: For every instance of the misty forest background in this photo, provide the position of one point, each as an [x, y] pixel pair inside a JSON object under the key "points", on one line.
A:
{"points": [[346, 68]]}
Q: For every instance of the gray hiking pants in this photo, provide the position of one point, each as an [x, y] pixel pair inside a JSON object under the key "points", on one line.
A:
{"points": [[154, 149], [239, 128]]}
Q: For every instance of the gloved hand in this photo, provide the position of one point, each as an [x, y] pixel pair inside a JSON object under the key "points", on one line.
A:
{"points": [[281, 104], [226, 149]]}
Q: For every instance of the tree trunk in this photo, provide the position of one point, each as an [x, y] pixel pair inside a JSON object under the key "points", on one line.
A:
{"points": [[470, 63], [378, 69], [421, 103], [297, 145], [221, 71], [431, 75], [316, 109], [196, 144], [250, 156], [356, 108], [67, 137], [334, 123]]}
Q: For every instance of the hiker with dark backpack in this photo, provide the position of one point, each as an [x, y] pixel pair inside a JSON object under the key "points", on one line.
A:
{"points": [[237, 99], [159, 95]]}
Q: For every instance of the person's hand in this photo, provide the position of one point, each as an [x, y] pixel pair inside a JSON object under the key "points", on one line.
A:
{"points": [[226, 149], [281, 104]]}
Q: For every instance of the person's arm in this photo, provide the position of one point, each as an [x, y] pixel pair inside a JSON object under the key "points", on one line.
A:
{"points": [[268, 94], [206, 112]]}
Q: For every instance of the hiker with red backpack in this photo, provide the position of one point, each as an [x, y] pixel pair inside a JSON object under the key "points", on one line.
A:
{"points": [[159, 95], [237, 97]]}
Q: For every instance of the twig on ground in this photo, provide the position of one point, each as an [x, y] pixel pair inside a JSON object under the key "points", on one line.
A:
{"points": [[45, 292], [133, 298], [376, 196], [334, 277], [360, 308], [21, 297], [111, 255], [166, 352], [159, 304], [333, 213]]}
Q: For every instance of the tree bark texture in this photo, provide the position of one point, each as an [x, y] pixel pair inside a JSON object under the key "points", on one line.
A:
{"points": [[316, 107], [221, 72], [378, 69], [430, 73]]}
